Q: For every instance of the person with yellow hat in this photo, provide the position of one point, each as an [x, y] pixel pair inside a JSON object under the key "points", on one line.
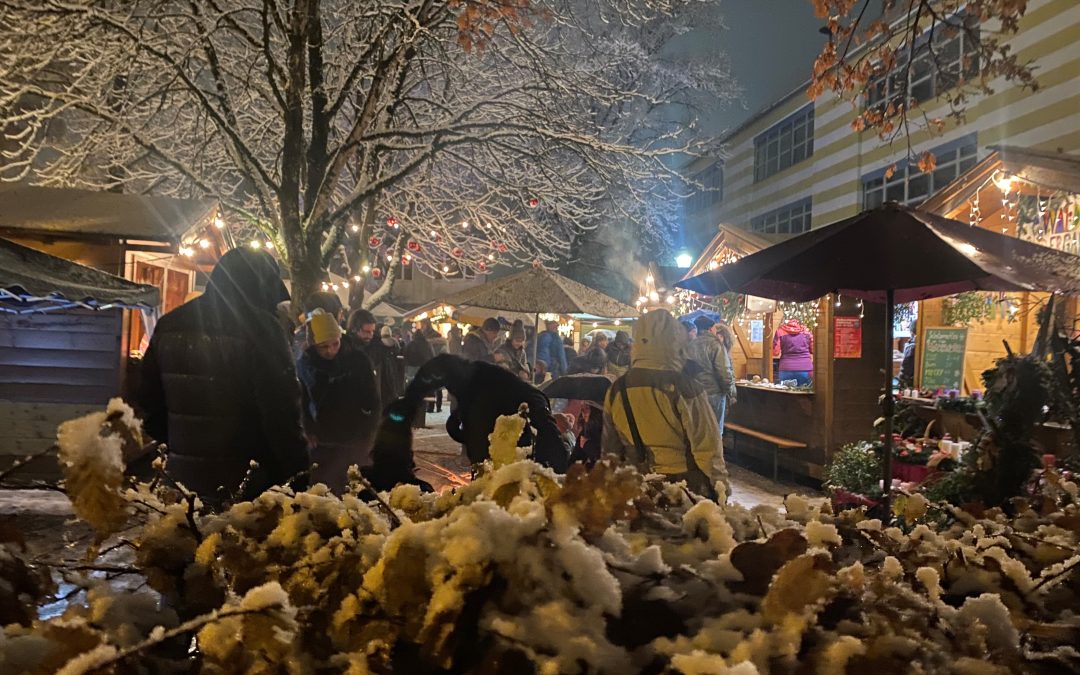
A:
{"points": [[341, 401]]}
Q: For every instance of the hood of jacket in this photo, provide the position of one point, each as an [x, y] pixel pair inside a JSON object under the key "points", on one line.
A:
{"points": [[724, 331], [659, 342], [247, 278], [622, 338]]}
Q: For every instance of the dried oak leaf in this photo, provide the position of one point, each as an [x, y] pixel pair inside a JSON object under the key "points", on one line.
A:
{"points": [[599, 496], [758, 562], [800, 582]]}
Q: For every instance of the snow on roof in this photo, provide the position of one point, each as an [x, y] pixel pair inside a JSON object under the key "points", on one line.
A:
{"points": [[29, 208], [32, 281]]}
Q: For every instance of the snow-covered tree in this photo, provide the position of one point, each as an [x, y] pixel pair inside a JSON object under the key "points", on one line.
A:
{"points": [[452, 135]]}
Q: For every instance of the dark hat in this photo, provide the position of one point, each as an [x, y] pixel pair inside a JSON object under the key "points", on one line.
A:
{"points": [[491, 324], [704, 323]]}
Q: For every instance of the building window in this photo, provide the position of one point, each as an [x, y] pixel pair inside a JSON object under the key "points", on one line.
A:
{"points": [[939, 65], [790, 219], [909, 186], [785, 144], [404, 272], [711, 190]]}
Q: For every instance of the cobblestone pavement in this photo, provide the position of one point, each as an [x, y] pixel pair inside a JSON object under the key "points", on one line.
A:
{"points": [[432, 446]]}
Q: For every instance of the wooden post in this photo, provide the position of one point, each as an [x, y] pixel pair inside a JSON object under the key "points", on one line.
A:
{"points": [[766, 346]]}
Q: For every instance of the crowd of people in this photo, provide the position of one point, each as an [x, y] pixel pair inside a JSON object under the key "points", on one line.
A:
{"points": [[240, 411]]}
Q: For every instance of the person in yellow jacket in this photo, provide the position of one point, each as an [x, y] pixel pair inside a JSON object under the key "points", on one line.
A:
{"points": [[672, 429]]}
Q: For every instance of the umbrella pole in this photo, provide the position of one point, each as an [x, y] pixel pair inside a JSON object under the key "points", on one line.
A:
{"points": [[536, 343], [887, 401]]}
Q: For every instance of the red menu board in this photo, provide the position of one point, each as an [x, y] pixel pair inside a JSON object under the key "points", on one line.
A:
{"points": [[847, 337]]}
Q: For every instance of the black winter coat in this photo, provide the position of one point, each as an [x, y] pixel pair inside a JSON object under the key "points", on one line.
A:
{"points": [[219, 386], [341, 396], [389, 365]]}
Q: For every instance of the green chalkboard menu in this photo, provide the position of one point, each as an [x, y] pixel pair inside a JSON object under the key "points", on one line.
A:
{"points": [[943, 358]]}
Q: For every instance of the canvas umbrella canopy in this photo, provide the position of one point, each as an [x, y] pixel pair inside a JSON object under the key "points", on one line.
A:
{"points": [[537, 291], [893, 254]]}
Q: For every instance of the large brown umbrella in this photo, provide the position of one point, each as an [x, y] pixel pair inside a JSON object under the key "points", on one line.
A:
{"points": [[537, 291], [893, 254]]}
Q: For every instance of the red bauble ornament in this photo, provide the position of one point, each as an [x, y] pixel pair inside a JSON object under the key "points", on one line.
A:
{"points": [[534, 202], [413, 246], [457, 252], [374, 242], [536, 264], [392, 221], [482, 266], [502, 248], [405, 260], [726, 301], [376, 273]]}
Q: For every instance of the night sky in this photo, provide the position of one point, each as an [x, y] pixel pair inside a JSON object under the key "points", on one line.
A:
{"points": [[771, 45]]}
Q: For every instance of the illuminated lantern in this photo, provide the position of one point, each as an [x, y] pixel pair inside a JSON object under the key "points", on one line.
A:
{"points": [[376, 273], [534, 202], [392, 221], [374, 242]]}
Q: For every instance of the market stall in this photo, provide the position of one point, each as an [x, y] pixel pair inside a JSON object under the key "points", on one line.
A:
{"points": [[542, 293], [839, 402], [868, 257], [1029, 194]]}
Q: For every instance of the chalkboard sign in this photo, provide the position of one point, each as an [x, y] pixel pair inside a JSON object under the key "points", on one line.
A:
{"points": [[943, 358]]}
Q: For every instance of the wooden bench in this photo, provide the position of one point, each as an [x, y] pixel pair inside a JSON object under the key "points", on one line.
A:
{"points": [[776, 441]]}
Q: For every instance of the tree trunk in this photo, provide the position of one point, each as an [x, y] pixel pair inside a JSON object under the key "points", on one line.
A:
{"points": [[307, 276]]}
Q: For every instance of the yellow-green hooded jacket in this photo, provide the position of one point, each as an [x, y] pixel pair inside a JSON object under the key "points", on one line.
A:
{"points": [[671, 410]]}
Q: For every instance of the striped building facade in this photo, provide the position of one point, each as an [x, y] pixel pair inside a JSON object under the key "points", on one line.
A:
{"points": [[799, 164]]}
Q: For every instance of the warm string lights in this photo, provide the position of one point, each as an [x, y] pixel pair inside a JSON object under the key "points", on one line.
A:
{"points": [[1037, 218]]}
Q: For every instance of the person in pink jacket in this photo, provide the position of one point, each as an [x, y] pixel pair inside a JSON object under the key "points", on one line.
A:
{"points": [[794, 344]]}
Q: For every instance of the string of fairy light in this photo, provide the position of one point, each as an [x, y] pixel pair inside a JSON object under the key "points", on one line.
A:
{"points": [[1037, 216], [446, 248]]}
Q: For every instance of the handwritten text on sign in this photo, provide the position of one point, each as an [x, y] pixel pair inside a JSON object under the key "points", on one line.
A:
{"points": [[943, 358]]}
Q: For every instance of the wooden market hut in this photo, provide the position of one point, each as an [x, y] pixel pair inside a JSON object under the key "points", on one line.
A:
{"points": [[798, 429], [1033, 181], [61, 347], [159, 241]]}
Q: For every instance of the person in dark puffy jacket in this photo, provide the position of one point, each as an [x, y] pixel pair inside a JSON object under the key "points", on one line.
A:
{"points": [[618, 353], [219, 386], [341, 402]]}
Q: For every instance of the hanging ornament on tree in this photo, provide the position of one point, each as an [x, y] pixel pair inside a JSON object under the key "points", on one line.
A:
{"points": [[392, 222], [502, 248], [457, 252], [374, 242], [534, 202], [376, 273], [405, 260], [413, 246], [536, 264], [482, 266]]}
